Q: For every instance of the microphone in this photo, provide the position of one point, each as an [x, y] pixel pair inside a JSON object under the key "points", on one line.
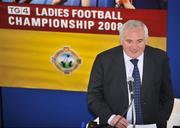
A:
{"points": [[130, 81]]}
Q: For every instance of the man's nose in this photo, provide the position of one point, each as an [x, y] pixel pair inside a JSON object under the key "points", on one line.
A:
{"points": [[134, 45]]}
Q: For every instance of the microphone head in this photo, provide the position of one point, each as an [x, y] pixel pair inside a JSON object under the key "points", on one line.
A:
{"points": [[130, 78]]}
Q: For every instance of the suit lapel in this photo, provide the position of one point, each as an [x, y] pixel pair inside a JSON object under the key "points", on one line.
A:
{"points": [[147, 70], [122, 73]]}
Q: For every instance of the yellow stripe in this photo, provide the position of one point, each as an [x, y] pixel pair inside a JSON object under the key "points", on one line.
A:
{"points": [[26, 57]]}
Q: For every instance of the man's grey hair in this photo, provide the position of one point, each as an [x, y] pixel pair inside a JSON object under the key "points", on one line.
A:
{"points": [[130, 24]]}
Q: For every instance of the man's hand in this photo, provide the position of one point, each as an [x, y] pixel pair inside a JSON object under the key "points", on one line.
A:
{"points": [[119, 122]]}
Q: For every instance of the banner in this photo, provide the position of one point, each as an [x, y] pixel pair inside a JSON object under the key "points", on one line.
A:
{"points": [[53, 47]]}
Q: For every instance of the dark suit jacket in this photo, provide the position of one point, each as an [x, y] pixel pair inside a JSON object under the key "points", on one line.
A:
{"points": [[108, 92]]}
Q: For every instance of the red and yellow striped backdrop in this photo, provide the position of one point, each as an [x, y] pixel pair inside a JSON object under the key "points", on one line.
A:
{"points": [[26, 52], [26, 57]]}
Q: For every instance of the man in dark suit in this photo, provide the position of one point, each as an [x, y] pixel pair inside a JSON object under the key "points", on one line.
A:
{"points": [[108, 92]]}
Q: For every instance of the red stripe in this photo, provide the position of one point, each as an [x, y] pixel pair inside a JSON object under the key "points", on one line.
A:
{"points": [[154, 19]]}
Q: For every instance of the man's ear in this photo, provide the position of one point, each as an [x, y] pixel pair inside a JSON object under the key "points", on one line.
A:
{"points": [[146, 41], [121, 42]]}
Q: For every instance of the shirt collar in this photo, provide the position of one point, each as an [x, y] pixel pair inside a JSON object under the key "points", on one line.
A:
{"points": [[127, 58]]}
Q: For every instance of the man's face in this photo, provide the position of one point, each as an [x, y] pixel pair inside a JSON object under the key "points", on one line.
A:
{"points": [[134, 42]]}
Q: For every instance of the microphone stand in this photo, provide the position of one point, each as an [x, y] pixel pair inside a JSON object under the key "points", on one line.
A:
{"points": [[133, 109], [134, 114], [130, 86]]}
